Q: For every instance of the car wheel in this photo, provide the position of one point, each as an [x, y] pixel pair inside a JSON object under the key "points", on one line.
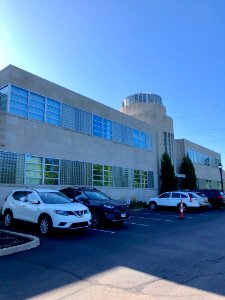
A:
{"points": [[45, 225], [8, 218], [152, 205], [96, 219], [184, 207]]}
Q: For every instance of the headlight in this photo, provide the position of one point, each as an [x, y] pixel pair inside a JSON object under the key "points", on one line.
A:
{"points": [[108, 206], [61, 212]]}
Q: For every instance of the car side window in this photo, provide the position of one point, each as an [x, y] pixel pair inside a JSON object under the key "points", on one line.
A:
{"points": [[183, 196], [175, 195], [79, 195], [165, 195], [19, 194]]}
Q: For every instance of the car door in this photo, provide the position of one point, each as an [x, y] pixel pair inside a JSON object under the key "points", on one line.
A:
{"points": [[30, 210], [175, 199], [18, 203], [163, 199]]}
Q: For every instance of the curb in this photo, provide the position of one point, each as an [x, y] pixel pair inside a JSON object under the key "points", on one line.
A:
{"points": [[35, 242]]}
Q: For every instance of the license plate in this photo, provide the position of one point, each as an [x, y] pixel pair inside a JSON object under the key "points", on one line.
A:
{"points": [[123, 215]]}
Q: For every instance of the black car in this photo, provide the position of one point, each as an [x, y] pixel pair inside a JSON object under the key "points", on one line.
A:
{"points": [[215, 197], [102, 207]]}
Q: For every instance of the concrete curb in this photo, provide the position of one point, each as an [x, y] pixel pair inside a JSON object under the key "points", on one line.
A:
{"points": [[35, 242]]}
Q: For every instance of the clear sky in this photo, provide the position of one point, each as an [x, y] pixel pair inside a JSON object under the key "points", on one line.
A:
{"points": [[109, 49]]}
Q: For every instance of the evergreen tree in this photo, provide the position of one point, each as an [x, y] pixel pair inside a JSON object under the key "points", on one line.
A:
{"points": [[168, 178], [187, 168]]}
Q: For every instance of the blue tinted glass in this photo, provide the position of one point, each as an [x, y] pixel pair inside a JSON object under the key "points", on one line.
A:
{"points": [[53, 103], [37, 103], [53, 109], [19, 98], [37, 97], [36, 117], [18, 105], [19, 91], [53, 121], [18, 112], [36, 110]]}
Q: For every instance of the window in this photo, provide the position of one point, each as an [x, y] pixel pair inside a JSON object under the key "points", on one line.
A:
{"points": [[144, 179], [19, 101], [137, 178], [33, 170], [150, 179], [51, 174], [36, 107], [165, 195], [53, 112], [97, 175], [11, 168], [175, 195], [102, 127], [108, 176], [4, 98], [19, 194]]}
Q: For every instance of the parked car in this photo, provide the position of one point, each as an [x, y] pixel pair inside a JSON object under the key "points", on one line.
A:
{"points": [[47, 208], [215, 197], [173, 199], [203, 200], [102, 207]]}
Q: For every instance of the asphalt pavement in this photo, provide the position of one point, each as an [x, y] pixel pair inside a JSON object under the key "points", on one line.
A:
{"points": [[154, 255]]}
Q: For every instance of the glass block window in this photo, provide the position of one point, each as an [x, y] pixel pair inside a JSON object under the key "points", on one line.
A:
{"points": [[108, 176], [53, 112], [137, 178], [83, 173], [122, 134], [51, 171], [85, 122], [33, 170], [4, 92], [123, 177], [11, 168], [150, 179], [97, 175], [36, 107], [19, 101], [144, 179], [76, 119]]}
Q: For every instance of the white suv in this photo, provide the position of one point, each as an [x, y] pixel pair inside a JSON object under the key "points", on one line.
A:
{"points": [[173, 199], [47, 208]]}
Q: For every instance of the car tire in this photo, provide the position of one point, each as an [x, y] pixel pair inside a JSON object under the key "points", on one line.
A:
{"points": [[45, 225], [96, 219], [8, 218], [184, 207], [152, 205]]}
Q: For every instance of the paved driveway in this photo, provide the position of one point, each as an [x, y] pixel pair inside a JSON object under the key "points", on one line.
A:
{"points": [[154, 255]]}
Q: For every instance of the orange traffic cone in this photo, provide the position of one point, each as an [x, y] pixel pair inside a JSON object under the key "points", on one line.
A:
{"points": [[181, 210]]}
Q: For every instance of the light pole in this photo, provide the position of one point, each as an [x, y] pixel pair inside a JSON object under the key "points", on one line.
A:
{"points": [[221, 176]]}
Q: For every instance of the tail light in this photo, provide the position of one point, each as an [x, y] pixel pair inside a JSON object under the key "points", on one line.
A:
{"points": [[191, 199], [220, 197]]}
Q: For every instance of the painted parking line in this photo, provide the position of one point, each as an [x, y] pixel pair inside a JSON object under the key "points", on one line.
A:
{"points": [[101, 230], [152, 219], [132, 223], [174, 216]]}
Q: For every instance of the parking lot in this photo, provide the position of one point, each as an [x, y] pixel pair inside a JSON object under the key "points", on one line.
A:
{"points": [[152, 255]]}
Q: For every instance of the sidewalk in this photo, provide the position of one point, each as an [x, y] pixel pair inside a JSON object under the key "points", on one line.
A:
{"points": [[12, 242]]}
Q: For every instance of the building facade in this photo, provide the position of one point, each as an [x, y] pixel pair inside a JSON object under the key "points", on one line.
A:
{"points": [[53, 137]]}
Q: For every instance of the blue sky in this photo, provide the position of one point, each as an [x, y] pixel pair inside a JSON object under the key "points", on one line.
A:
{"points": [[109, 49]]}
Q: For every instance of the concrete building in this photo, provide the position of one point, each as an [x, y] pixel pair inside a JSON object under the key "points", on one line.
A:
{"points": [[51, 136]]}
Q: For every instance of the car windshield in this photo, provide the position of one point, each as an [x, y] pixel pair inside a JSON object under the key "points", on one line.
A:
{"points": [[54, 198], [96, 195]]}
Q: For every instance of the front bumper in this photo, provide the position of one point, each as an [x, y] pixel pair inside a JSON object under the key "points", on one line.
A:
{"points": [[116, 217], [71, 222]]}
